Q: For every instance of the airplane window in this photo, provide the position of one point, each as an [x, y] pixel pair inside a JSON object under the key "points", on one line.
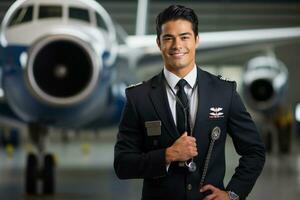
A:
{"points": [[50, 11], [79, 14], [100, 22], [22, 15]]}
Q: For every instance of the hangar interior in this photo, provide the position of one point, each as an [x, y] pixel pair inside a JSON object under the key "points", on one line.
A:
{"points": [[84, 158]]}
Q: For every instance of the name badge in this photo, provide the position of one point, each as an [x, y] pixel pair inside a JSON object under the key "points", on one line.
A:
{"points": [[153, 128]]}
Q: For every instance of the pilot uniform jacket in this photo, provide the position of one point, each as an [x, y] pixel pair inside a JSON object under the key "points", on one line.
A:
{"points": [[140, 152]]}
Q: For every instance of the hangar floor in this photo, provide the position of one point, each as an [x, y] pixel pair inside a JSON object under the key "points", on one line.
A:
{"points": [[84, 171]]}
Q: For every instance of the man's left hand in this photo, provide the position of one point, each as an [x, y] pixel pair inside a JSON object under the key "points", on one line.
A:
{"points": [[216, 193]]}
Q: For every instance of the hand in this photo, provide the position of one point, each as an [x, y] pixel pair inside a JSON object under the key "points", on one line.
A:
{"points": [[216, 193], [184, 148]]}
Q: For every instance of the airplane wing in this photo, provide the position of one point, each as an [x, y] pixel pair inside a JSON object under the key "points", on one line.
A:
{"points": [[218, 44]]}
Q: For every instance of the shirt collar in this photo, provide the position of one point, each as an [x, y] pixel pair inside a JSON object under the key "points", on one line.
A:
{"points": [[173, 79]]}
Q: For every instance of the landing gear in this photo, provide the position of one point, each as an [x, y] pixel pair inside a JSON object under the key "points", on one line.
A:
{"points": [[284, 140], [31, 174], [48, 175], [283, 124], [268, 141], [40, 168]]}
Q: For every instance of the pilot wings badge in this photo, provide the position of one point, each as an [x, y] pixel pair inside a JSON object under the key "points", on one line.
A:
{"points": [[216, 113]]}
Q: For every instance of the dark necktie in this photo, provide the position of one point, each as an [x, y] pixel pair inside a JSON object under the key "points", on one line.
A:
{"points": [[181, 116]]}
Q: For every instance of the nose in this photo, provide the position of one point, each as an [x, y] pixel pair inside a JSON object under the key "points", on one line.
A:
{"points": [[177, 44]]}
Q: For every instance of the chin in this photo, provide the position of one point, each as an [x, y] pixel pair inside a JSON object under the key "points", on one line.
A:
{"points": [[180, 65]]}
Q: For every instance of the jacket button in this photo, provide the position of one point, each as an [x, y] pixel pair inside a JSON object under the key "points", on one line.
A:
{"points": [[189, 186]]}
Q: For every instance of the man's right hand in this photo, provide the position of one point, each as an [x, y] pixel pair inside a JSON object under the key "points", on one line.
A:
{"points": [[184, 148]]}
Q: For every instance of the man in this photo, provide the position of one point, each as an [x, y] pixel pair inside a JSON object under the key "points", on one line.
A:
{"points": [[168, 122]]}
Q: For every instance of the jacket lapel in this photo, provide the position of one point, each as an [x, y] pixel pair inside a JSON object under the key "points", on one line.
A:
{"points": [[159, 99], [204, 99]]}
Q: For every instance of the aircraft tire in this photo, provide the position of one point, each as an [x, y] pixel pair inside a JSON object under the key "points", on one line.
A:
{"points": [[49, 174], [268, 142], [31, 174]]}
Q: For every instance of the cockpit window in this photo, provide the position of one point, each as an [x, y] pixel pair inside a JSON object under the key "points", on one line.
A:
{"points": [[50, 12], [100, 22], [79, 14], [22, 15]]}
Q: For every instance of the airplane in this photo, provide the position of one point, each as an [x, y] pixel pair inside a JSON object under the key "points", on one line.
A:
{"points": [[66, 64], [265, 87]]}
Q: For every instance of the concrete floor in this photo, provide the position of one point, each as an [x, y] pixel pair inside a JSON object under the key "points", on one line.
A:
{"points": [[84, 171]]}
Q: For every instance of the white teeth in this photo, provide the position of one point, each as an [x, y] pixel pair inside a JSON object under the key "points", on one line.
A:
{"points": [[177, 54]]}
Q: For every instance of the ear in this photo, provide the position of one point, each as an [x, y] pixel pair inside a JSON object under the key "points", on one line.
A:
{"points": [[197, 41], [158, 42]]}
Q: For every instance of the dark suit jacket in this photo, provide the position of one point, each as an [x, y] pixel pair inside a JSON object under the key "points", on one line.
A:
{"points": [[138, 155]]}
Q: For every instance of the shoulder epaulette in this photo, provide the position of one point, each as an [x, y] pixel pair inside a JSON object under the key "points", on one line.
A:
{"points": [[134, 85], [224, 79]]}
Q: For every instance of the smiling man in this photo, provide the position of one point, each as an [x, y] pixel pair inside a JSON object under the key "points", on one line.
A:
{"points": [[174, 127], [178, 43]]}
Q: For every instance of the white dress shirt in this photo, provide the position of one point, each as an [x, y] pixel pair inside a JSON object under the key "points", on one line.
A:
{"points": [[190, 89]]}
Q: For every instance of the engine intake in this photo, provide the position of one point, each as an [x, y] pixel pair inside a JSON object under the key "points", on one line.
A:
{"points": [[62, 70], [261, 90]]}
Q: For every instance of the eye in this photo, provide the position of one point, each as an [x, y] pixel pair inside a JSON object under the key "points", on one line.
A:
{"points": [[185, 37], [167, 38]]}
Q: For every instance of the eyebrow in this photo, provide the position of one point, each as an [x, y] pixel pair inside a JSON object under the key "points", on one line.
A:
{"points": [[181, 34], [186, 33]]}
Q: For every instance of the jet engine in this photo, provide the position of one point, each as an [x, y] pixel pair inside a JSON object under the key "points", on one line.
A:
{"points": [[265, 83], [62, 69]]}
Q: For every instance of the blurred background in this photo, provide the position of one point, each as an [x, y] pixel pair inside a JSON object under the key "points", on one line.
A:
{"points": [[81, 154]]}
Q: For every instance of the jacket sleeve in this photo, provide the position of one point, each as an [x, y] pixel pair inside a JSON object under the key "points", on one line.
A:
{"points": [[130, 158], [248, 145]]}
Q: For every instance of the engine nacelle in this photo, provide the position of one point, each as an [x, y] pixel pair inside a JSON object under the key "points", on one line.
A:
{"points": [[265, 83]]}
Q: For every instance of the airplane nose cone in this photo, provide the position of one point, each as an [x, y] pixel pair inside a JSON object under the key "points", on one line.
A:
{"points": [[60, 71]]}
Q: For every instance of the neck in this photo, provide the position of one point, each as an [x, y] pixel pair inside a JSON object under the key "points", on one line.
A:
{"points": [[181, 72]]}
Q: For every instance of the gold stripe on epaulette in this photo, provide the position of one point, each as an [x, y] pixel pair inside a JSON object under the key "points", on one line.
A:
{"points": [[224, 79], [134, 85]]}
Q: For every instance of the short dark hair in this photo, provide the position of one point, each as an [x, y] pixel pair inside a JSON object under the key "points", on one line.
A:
{"points": [[175, 12]]}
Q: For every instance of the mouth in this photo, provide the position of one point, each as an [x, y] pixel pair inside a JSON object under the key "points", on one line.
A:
{"points": [[177, 54]]}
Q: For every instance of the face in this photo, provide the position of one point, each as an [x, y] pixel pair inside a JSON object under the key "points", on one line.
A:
{"points": [[178, 44]]}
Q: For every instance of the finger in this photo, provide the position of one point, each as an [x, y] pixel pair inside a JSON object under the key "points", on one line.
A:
{"points": [[208, 187], [184, 134], [191, 144], [191, 141], [210, 197], [191, 148], [191, 138], [194, 150], [194, 144]]}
